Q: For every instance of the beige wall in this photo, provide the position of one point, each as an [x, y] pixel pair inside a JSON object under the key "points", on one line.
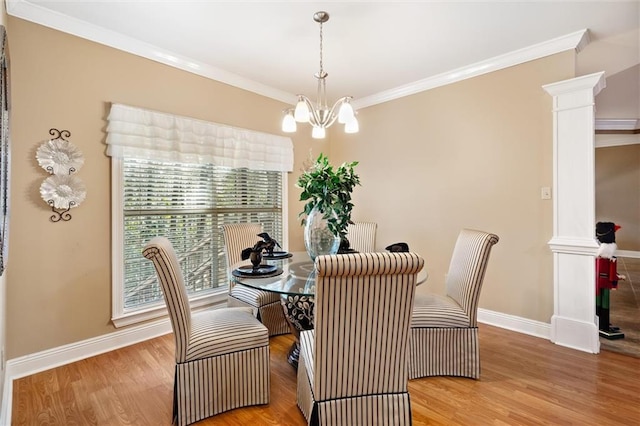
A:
{"points": [[617, 192], [471, 154], [619, 57], [621, 97], [59, 280]]}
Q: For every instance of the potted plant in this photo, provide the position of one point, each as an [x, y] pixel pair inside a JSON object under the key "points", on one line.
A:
{"points": [[327, 210]]}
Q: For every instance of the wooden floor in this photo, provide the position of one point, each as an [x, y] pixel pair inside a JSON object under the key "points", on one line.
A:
{"points": [[525, 381]]}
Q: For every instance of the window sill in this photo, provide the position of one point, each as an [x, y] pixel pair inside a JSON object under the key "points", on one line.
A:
{"points": [[158, 311]]}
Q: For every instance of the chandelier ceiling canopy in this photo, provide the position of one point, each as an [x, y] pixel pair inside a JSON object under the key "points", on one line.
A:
{"points": [[319, 115]]}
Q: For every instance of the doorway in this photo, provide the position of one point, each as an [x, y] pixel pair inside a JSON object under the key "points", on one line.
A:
{"points": [[625, 310], [617, 178]]}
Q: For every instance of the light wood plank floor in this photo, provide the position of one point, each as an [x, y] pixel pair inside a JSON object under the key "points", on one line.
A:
{"points": [[525, 381]]}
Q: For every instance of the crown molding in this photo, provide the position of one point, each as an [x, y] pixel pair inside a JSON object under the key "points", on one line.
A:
{"points": [[48, 18], [574, 41], [622, 124], [43, 16]]}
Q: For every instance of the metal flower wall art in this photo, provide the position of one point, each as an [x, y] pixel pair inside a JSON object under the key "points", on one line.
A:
{"points": [[63, 190], [59, 156]]}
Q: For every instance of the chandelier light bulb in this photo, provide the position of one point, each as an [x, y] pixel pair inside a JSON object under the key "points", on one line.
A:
{"points": [[352, 126], [318, 114], [302, 114], [318, 132], [289, 123], [345, 114]]}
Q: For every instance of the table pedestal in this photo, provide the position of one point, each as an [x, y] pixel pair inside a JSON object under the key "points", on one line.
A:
{"points": [[298, 310]]}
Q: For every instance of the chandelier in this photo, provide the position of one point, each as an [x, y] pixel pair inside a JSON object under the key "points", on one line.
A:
{"points": [[320, 116]]}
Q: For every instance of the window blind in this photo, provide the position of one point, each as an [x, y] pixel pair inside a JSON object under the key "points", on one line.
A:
{"points": [[188, 203]]}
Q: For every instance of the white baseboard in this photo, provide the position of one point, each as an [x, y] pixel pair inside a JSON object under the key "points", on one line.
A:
{"points": [[575, 334], [55, 357], [511, 322], [51, 358]]}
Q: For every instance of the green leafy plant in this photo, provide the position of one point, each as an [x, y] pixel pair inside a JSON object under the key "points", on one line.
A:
{"points": [[330, 190]]}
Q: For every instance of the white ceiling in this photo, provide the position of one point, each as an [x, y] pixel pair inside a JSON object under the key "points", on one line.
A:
{"points": [[372, 50]]}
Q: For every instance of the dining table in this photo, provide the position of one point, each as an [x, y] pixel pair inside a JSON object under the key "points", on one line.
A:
{"points": [[293, 276]]}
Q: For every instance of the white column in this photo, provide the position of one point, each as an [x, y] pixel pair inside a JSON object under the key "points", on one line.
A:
{"points": [[574, 323]]}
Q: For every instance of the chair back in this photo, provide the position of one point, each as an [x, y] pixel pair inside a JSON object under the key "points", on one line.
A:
{"points": [[467, 268], [363, 307], [237, 237], [160, 251], [362, 236]]}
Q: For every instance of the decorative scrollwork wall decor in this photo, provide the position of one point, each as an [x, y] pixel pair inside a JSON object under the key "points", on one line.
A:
{"points": [[61, 159]]}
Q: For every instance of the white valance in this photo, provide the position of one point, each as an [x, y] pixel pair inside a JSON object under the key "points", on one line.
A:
{"points": [[145, 134]]}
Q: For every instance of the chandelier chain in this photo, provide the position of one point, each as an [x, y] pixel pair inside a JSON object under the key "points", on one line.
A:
{"points": [[321, 67]]}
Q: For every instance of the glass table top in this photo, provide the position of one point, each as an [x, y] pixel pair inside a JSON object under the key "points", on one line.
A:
{"points": [[298, 276]]}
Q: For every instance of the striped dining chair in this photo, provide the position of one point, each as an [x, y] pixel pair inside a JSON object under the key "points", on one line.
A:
{"points": [[265, 305], [444, 329], [222, 355], [353, 364], [362, 236]]}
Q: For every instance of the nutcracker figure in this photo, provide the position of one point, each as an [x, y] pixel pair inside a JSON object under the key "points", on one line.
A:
{"points": [[607, 277]]}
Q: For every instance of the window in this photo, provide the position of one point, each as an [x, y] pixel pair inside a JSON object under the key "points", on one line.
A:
{"points": [[186, 201]]}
